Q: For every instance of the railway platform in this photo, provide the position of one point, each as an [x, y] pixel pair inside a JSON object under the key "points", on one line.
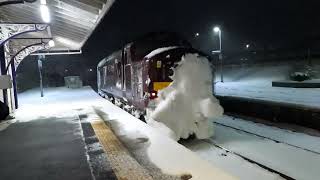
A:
{"points": [[75, 134]]}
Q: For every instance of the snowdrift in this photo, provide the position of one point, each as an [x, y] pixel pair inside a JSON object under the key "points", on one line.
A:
{"points": [[186, 106]]}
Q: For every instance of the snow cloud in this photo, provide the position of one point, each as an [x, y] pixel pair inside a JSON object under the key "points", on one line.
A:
{"points": [[186, 106]]}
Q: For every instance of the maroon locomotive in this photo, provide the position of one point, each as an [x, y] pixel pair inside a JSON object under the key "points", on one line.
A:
{"points": [[134, 75]]}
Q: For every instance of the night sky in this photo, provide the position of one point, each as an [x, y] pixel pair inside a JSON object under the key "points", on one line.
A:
{"points": [[280, 23], [260, 23]]}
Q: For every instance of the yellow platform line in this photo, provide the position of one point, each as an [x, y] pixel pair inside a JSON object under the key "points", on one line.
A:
{"points": [[123, 164]]}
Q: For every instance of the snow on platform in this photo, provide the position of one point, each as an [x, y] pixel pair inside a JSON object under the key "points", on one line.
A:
{"points": [[233, 164], [164, 153], [309, 97], [206, 161], [315, 83], [255, 81]]}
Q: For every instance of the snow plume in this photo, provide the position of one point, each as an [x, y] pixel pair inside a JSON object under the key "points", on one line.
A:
{"points": [[187, 104]]}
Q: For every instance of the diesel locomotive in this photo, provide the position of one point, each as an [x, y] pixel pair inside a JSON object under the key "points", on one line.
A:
{"points": [[132, 76]]}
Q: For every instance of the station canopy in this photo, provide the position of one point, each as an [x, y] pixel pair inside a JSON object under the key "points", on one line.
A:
{"points": [[72, 21]]}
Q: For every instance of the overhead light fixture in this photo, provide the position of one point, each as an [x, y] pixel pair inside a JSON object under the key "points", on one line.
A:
{"points": [[44, 2], [44, 10], [68, 42], [51, 43]]}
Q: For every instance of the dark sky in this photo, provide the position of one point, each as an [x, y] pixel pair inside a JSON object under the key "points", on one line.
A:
{"points": [[270, 23], [279, 23]]}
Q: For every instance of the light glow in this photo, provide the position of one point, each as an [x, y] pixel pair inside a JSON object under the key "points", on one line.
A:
{"points": [[51, 43], [216, 29], [43, 2], [45, 14], [153, 94], [68, 42]]}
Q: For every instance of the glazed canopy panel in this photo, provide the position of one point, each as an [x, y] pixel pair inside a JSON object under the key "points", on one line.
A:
{"points": [[72, 21]]}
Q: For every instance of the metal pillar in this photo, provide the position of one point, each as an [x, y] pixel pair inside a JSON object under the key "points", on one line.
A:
{"points": [[220, 56], [40, 59], [14, 85], [221, 67], [2, 70]]}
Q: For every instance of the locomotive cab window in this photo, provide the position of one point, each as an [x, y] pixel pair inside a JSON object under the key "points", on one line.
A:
{"points": [[164, 65]]}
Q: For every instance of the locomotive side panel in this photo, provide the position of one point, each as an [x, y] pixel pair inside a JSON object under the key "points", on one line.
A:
{"points": [[137, 84], [111, 75], [127, 69]]}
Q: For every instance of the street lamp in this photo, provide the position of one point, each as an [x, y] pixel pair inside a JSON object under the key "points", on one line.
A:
{"points": [[217, 30]]}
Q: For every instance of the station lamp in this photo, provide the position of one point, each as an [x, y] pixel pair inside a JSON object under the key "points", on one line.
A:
{"points": [[51, 43]]}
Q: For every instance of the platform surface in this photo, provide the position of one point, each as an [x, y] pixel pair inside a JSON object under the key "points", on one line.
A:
{"points": [[296, 84], [264, 91], [75, 134]]}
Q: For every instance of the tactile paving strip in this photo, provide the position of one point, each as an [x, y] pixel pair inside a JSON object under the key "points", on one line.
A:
{"points": [[124, 165]]}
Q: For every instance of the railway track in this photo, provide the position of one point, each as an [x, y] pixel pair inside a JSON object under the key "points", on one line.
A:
{"points": [[211, 142], [265, 137], [279, 112]]}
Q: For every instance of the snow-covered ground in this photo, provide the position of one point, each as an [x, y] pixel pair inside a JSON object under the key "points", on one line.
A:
{"points": [[165, 153], [286, 156], [297, 139], [231, 163], [301, 96], [207, 161], [5, 124], [294, 162], [256, 82]]}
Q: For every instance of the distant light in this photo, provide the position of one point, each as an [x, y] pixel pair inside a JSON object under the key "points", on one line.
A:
{"points": [[66, 70], [90, 70], [51, 43], [45, 14], [44, 2], [197, 35], [216, 29], [248, 46]]}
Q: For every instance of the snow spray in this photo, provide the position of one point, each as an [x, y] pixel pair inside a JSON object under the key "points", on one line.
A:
{"points": [[187, 106]]}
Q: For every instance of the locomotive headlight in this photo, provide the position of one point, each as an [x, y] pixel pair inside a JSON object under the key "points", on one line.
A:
{"points": [[153, 95]]}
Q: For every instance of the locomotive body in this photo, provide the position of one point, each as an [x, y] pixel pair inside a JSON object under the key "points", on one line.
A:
{"points": [[134, 75]]}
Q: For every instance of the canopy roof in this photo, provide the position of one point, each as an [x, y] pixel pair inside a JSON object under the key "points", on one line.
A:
{"points": [[72, 21]]}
